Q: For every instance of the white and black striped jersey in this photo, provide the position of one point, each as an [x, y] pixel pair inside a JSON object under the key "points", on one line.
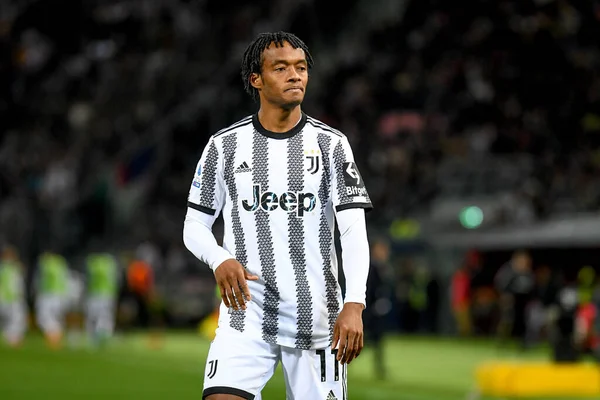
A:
{"points": [[278, 193]]}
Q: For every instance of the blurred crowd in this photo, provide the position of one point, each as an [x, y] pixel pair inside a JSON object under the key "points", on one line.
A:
{"points": [[531, 301], [106, 106]]}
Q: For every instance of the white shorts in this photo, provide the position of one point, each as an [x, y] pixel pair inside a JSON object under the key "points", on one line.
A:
{"points": [[100, 315], [241, 365], [50, 310], [13, 320]]}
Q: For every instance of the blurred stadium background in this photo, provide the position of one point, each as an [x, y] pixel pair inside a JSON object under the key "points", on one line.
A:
{"points": [[476, 126]]}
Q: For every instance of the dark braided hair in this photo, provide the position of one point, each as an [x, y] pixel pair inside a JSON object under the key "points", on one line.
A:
{"points": [[252, 60]]}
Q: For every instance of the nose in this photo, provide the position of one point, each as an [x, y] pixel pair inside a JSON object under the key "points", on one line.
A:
{"points": [[294, 76]]}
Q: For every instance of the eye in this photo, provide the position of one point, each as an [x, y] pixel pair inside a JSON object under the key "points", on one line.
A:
{"points": [[302, 68], [279, 69]]}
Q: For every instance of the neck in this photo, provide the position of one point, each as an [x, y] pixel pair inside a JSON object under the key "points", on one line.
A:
{"points": [[278, 119]]}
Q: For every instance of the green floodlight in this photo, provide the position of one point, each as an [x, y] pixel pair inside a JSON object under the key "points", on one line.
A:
{"points": [[471, 217]]}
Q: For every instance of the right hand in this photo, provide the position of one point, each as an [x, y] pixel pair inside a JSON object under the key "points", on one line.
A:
{"points": [[231, 277]]}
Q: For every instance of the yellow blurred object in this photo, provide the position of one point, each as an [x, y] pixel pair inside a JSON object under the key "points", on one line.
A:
{"points": [[586, 279], [208, 326], [538, 379], [405, 229], [586, 276], [156, 340]]}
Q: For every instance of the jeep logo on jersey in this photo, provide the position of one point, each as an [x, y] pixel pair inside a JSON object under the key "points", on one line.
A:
{"points": [[354, 182], [289, 202]]}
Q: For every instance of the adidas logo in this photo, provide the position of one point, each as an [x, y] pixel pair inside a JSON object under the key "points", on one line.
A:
{"points": [[242, 168], [331, 396]]}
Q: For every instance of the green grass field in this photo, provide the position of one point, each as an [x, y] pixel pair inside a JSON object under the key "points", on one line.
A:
{"points": [[419, 369]]}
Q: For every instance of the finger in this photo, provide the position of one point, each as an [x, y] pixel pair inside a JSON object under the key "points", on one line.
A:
{"points": [[343, 344], [224, 296], [336, 338], [238, 294], [230, 285], [233, 286], [245, 290], [355, 348], [249, 276], [230, 297], [361, 344], [349, 353]]}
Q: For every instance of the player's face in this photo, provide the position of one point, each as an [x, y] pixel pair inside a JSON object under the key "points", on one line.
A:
{"points": [[284, 76]]}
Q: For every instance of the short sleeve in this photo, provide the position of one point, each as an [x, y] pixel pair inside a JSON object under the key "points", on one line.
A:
{"points": [[207, 189], [349, 190]]}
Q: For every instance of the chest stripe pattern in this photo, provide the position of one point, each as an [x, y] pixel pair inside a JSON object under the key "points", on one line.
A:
{"points": [[325, 241], [237, 318], [260, 176], [296, 245]]}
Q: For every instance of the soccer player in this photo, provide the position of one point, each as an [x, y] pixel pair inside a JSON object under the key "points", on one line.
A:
{"points": [[102, 286], [13, 314], [281, 178], [52, 291]]}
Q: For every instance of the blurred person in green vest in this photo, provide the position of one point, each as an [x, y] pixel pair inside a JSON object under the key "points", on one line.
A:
{"points": [[13, 311], [586, 284], [418, 297], [52, 289], [103, 281]]}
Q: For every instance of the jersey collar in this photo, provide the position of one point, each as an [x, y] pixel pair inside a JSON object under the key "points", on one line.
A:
{"points": [[278, 135]]}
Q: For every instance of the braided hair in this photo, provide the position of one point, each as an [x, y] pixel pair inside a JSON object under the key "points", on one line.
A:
{"points": [[252, 59]]}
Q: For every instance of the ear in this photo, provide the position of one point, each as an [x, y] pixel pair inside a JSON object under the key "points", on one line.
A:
{"points": [[256, 80]]}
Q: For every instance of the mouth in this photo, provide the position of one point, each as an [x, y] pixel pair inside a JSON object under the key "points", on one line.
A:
{"points": [[295, 89]]}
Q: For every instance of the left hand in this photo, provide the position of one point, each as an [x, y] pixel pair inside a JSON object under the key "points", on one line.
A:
{"points": [[348, 333]]}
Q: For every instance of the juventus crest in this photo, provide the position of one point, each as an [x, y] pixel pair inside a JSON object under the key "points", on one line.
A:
{"points": [[313, 158], [213, 364]]}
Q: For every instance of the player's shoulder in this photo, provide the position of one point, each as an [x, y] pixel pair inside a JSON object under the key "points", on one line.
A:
{"points": [[322, 127], [236, 126]]}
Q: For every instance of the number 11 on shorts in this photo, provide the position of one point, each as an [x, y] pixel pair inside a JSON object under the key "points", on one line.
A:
{"points": [[336, 365]]}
